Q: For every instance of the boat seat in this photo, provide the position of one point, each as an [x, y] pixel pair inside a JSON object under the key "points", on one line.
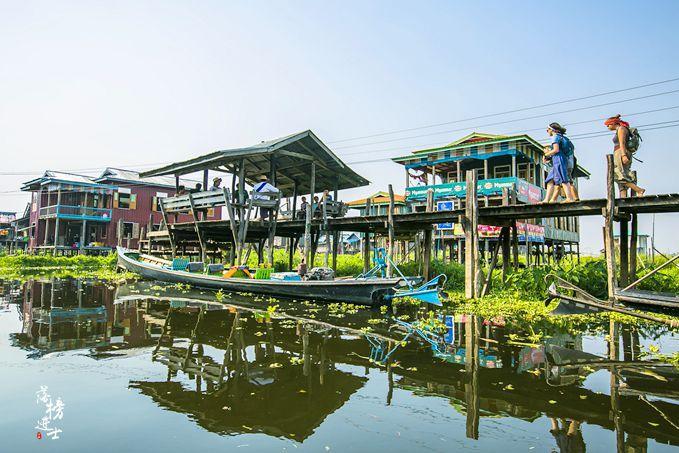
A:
{"points": [[214, 268], [179, 264], [195, 266]]}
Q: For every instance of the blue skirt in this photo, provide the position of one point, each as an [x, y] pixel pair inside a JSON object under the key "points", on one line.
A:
{"points": [[558, 174]]}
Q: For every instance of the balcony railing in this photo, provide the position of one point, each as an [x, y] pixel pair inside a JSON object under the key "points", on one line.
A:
{"points": [[76, 212], [525, 191]]}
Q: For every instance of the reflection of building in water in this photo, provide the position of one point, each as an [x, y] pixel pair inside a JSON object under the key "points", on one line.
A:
{"points": [[236, 372], [62, 315]]}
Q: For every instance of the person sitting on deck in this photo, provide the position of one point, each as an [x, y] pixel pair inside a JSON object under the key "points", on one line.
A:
{"points": [[216, 184], [316, 209], [181, 190], [263, 186], [326, 195], [198, 188]]}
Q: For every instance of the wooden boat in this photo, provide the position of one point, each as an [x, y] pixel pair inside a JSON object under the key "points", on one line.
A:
{"points": [[574, 300], [364, 291]]}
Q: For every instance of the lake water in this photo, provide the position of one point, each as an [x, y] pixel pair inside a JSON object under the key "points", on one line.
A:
{"points": [[145, 368]]}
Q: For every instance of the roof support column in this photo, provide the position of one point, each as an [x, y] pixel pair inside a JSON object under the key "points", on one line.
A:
{"points": [[310, 208]]}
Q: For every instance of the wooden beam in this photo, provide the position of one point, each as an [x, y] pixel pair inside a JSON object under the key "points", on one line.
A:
{"points": [[284, 152], [426, 258], [624, 252], [504, 232], [633, 249]]}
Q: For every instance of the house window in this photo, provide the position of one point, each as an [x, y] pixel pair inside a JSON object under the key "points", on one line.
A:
{"points": [[503, 171], [452, 176], [481, 174], [123, 199], [524, 172]]}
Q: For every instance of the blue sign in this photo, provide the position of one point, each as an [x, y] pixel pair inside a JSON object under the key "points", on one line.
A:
{"points": [[444, 206]]}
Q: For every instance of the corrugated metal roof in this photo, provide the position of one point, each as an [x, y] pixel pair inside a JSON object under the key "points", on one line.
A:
{"points": [[131, 176], [293, 155], [61, 176]]}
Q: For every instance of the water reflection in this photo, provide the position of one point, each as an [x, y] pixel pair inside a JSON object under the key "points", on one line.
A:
{"points": [[234, 368]]}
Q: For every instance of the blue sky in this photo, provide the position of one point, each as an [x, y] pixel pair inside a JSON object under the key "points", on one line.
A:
{"points": [[84, 85]]}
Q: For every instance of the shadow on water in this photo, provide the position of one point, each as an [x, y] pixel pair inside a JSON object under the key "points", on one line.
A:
{"points": [[236, 368]]}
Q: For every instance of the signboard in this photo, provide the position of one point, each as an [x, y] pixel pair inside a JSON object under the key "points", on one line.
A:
{"points": [[535, 233], [459, 189], [444, 206], [527, 192]]}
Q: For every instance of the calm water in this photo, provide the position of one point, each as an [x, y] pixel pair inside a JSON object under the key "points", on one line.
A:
{"points": [[148, 368]]}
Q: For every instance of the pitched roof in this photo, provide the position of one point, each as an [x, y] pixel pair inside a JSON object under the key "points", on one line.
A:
{"points": [[376, 199], [131, 176], [292, 154], [470, 140], [51, 176]]}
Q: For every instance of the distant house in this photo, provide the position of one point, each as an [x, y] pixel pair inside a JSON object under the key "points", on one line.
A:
{"points": [[72, 212], [379, 204], [7, 231]]}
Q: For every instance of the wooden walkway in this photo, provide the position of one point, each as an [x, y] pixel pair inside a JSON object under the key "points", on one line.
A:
{"points": [[218, 230]]}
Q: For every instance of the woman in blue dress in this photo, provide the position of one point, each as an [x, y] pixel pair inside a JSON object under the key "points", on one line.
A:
{"points": [[558, 176]]}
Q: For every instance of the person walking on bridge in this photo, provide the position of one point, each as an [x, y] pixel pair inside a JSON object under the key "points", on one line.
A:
{"points": [[622, 156], [559, 175]]}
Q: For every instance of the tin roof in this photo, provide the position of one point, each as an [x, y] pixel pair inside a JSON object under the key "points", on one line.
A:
{"points": [[292, 155]]}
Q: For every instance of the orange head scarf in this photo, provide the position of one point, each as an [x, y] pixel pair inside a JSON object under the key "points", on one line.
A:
{"points": [[616, 120]]}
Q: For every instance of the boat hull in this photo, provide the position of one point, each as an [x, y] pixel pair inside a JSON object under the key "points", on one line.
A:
{"points": [[371, 291]]}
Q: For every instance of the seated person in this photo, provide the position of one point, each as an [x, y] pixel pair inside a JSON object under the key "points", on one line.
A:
{"points": [[302, 209], [216, 183], [263, 186], [302, 269]]}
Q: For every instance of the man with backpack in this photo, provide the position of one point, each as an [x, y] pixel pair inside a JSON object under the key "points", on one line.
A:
{"points": [[626, 142]]}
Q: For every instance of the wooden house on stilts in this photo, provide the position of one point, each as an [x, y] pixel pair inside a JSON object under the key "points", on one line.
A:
{"points": [[297, 165]]}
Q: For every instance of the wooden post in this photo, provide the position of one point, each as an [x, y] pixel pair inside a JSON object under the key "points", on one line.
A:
{"points": [[505, 254], [335, 234], [119, 232], [199, 233], [515, 245], [326, 255], [624, 252], [309, 210], [471, 386], [56, 223], [390, 222], [609, 243], [426, 258], [633, 250], [291, 253], [366, 241], [493, 261], [470, 225], [83, 229]]}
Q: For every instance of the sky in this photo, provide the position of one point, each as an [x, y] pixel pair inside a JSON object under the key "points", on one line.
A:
{"points": [[135, 84]]}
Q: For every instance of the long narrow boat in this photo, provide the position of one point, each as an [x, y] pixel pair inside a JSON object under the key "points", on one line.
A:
{"points": [[364, 291]]}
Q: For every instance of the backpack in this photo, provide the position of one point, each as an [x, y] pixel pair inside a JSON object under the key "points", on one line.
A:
{"points": [[570, 147], [633, 140]]}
